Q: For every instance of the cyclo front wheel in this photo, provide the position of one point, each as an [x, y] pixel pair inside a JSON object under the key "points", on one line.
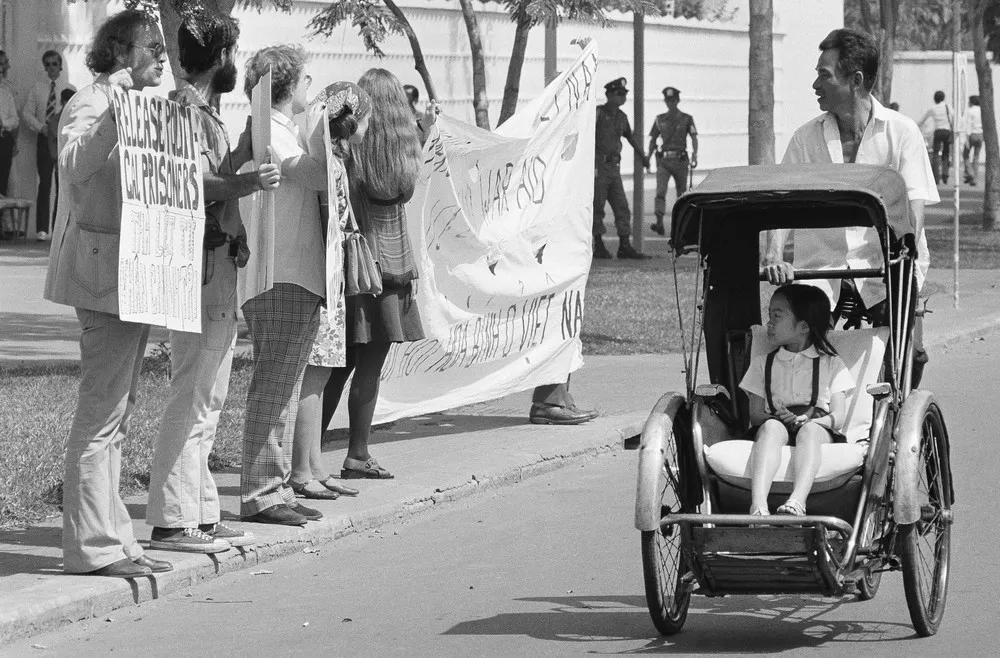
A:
{"points": [[663, 565], [926, 544]]}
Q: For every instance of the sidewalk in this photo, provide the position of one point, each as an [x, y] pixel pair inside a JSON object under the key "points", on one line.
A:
{"points": [[436, 459]]}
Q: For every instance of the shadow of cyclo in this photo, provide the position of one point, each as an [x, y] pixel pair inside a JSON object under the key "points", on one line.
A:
{"points": [[761, 624]]}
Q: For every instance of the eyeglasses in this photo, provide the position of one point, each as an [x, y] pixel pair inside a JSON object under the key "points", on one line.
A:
{"points": [[155, 49], [51, 64]]}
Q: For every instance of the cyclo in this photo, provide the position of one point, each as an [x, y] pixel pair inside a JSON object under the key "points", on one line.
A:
{"points": [[881, 502]]}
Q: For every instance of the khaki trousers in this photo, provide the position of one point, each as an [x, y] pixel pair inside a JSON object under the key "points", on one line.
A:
{"points": [[97, 530], [182, 492]]}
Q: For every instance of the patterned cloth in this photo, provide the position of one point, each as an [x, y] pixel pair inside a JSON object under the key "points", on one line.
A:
{"points": [[384, 224], [283, 322], [330, 348]]}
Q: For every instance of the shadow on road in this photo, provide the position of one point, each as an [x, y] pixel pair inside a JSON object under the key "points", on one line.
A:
{"points": [[762, 624]]}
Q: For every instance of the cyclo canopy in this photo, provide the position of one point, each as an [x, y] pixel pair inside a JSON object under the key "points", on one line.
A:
{"points": [[764, 197]]}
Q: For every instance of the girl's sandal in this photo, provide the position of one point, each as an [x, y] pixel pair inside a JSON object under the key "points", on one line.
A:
{"points": [[331, 483], [792, 507]]}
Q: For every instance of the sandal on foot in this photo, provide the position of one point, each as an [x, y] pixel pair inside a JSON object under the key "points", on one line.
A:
{"points": [[760, 511], [355, 469], [331, 483], [305, 492], [792, 508]]}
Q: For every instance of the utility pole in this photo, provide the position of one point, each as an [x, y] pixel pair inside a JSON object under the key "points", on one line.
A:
{"points": [[956, 130]]}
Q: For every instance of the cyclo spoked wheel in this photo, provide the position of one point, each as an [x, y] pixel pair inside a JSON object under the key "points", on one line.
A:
{"points": [[663, 566], [926, 544], [878, 531]]}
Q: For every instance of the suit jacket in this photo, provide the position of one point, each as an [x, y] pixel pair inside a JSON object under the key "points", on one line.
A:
{"points": [[83, 259]]}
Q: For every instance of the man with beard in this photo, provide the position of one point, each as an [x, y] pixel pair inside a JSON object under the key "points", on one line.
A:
{"points": [[183, 502]]}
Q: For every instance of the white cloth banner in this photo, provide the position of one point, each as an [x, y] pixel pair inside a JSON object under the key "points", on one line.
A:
{"points": [[163, 212], [258, 276], [501, 229]]}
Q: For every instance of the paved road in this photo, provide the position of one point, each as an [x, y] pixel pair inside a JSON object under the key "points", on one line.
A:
{"points": [[551, 567]]}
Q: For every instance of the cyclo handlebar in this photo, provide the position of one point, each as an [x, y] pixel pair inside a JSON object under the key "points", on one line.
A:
{"points": [[860, 273]]}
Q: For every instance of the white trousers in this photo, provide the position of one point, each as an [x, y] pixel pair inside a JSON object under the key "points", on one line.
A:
{"points": [[97, 530], [182, 492]]}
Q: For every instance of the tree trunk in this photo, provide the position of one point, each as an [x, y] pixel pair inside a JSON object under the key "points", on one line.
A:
{"points": [[761, 60], [512, 88], [418, 54], [865, 12], [479, 100], [888, 17], [991, 186]]}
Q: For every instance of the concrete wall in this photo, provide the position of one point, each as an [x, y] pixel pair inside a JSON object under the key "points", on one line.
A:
{"points": [[706, 61]]}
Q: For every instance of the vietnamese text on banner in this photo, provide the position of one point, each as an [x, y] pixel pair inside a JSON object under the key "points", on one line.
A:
{"points": [[163, 212], [501, 228]]}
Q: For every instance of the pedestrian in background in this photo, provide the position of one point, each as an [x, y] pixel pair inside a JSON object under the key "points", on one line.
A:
{"points": [[383, 169], [974, 143], [97, 537], [9, 122], [41, 105], [672, 128], [345, 109], [612, 126], [183, 503], [941, 116], [283, 320]]}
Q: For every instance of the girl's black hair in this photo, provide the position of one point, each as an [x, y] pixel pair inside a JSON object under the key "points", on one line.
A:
{"points": [[810, 305], [342, 128]]}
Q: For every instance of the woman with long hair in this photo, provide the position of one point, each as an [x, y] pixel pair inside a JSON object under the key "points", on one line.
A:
{"points": [[383, 169], [343, 110]]}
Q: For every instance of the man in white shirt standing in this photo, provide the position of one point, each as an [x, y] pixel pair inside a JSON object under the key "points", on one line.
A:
{"points": [[974, 144], [856, 128], [43, 103], [943, 120]]}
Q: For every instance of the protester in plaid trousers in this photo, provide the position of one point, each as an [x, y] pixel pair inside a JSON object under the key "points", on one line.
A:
{"points": [[283, 320]]}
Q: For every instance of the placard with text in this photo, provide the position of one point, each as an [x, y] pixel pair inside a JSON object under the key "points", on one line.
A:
{"points": [[163, 212]]}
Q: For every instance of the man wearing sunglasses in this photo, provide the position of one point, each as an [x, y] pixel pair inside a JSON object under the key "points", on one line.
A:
{"points": [[612, 126], [42, 104]]}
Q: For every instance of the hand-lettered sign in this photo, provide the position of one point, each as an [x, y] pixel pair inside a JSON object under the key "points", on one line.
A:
{"points": [[501, 226], [163, 212]]}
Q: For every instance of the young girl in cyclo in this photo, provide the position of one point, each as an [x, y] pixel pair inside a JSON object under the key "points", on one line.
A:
{"points": [[797, 394]]}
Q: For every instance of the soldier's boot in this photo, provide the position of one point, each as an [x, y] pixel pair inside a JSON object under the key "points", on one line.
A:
{"points": [[658, 226], [600, 251], [625, 249]]}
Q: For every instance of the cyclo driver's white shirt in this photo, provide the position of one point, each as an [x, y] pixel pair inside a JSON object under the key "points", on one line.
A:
{"points": [[890, 139]]}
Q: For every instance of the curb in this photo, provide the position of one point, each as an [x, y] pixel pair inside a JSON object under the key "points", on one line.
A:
{"points": [[984, 327], [107, 595]]}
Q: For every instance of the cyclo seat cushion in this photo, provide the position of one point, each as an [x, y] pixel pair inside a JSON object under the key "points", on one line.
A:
{"points": [[862, 351]]}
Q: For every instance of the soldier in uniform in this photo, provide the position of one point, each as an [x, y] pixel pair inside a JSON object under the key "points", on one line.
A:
{"points": [[672, 128], [612, 126]]}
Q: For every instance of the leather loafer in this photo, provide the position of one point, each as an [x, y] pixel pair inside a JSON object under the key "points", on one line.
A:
{"points": [[123, 568], [552, 414], [308, 513], [280, 514], [156, 566]]}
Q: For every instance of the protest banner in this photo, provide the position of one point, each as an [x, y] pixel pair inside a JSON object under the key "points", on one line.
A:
{"points": [[501, 226], [163, 212], [258, 275]]}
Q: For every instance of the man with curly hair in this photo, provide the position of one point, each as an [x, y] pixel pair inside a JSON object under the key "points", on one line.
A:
{"points": [[97, 534]]}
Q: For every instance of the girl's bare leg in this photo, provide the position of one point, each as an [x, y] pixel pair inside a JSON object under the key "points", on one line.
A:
{"points": [[308, 430], [807, 459], [765, 458]]}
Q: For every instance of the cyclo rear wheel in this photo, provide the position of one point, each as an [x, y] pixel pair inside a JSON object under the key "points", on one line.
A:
{"points": [[663, 565], [926, 544]]}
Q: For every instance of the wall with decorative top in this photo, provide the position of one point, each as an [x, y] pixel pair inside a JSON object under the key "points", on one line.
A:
{"points": [[706, 61]]}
